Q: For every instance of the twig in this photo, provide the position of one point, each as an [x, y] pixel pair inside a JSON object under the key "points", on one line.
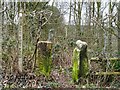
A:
{"points": [[48, 18], [34, 54], [3, 10]]}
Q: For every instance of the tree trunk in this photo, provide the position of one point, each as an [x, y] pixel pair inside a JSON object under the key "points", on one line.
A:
{"points": [[119, 30], [21, 24], [100, 36], [110, 25], [70, 13], [0, 37], [79, 18], [1, 29]]}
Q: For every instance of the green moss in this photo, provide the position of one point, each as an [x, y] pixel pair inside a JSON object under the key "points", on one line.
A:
{"points": [[76, 71], [44, 63], [75, 60], [115, 64]]}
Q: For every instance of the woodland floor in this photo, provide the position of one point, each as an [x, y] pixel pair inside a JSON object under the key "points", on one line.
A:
{"points": [[59, 78]]}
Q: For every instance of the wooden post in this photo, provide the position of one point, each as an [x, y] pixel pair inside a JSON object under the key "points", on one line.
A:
{"points": [[44, 60]]}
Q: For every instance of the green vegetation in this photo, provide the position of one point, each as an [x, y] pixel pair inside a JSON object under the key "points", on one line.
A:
{"points": [[25, 64], [75, 61]]}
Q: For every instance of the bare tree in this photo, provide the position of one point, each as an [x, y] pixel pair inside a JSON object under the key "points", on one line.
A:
{"points": [[111, 8], [20, 61], [118, 28], [1, 34], [99, 31], [77, 17]]}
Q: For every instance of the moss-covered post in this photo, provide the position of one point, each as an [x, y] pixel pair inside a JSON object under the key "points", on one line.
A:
{"points": [[44, 60], [80, 61]]}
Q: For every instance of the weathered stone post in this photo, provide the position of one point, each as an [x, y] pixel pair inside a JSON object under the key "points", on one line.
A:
{"points": [[80, 61], [44, 60]]}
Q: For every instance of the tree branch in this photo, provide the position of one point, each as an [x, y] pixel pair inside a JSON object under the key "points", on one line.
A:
{"points": [[48, 18], [3, 10], [104, 29]]}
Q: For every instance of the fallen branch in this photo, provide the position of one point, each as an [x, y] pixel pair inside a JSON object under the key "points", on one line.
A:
{"points": [[107, 73], [98, 59]]}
